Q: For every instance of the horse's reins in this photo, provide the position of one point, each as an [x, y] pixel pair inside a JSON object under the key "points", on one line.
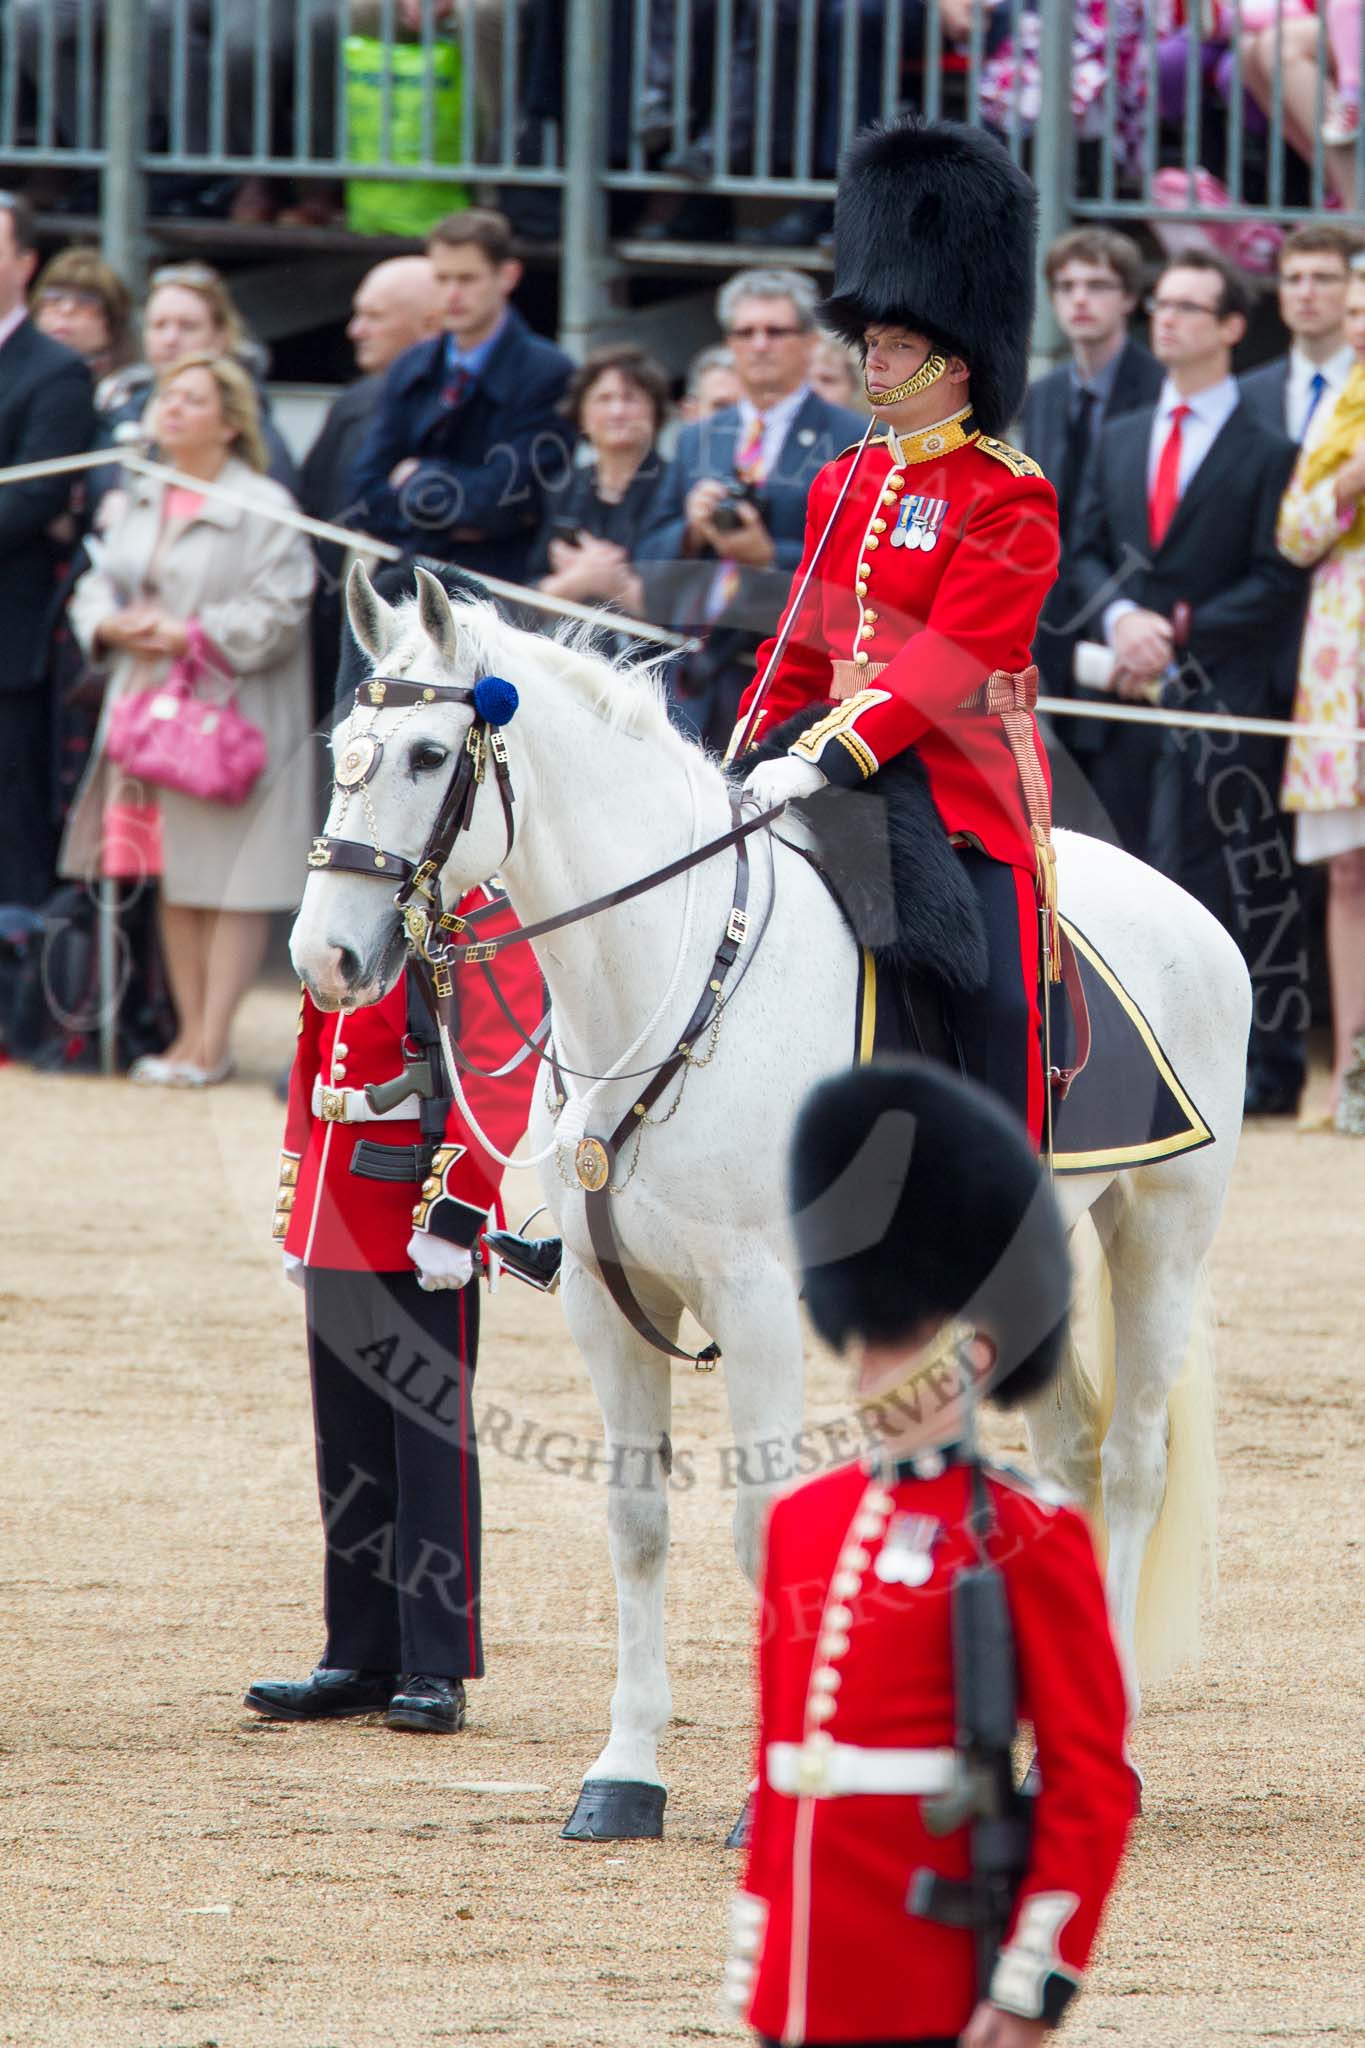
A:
{"points": [[432, 934]]}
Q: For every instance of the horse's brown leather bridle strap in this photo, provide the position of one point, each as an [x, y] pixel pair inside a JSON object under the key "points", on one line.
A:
{"points": [[489, 949], [597, 1201]]}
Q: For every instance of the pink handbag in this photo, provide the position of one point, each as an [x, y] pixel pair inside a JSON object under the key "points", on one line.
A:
{"points": [[171, 736]]}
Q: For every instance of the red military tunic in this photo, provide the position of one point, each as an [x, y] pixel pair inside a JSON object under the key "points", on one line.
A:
{"points": [[328, 1216], [916, 629], [825, 1949]]}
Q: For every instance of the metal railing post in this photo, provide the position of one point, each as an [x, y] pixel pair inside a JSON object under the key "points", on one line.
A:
{"points": [[583, 269], [1054, 160], [123, 187]]}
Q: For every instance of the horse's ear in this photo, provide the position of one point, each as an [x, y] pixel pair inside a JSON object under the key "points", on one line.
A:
{"points": [[433, 610], [372, 621]]}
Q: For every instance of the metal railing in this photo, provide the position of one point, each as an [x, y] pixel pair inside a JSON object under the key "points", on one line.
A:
{"points": [[1123, 113]]}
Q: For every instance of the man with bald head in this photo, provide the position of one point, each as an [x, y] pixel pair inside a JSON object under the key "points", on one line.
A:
{"points": [[395, 304]]}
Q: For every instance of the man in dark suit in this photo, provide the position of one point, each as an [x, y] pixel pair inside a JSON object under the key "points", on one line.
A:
{"points": [[1094, 276], [1295, 393], [45, 410], [1176, 566], [396, 305], [468, 429], [729, 520]]}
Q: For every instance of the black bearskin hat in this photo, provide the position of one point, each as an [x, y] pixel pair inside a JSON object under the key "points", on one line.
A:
{"points": [[934, 230], [916, 1195]]}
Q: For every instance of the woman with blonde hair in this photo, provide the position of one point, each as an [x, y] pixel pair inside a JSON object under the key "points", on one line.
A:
{"points": [[183, 569], [190, 311], [1322, 527]]}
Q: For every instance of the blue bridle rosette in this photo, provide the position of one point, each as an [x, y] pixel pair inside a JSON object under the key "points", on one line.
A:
{"points": [[495, 699]]}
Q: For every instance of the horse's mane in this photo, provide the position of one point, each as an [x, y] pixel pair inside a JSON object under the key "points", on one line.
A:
{"points": [[629, 695]]}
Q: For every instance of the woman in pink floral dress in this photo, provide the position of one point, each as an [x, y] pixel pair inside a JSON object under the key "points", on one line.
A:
{"points": [[1322, 526], [1012, 77]]}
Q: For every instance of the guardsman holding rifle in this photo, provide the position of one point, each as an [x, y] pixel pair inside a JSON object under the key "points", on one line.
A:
{"points": [[900, 1889]]}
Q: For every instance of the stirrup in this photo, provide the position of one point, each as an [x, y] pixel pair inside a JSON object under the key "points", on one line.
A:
{"points": [[536, 1260]]}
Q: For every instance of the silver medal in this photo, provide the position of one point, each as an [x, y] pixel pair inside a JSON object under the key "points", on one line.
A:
{"points": [[907, 1556], [935, 510]]}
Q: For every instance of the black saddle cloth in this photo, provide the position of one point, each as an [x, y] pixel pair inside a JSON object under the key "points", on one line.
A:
{"points": [[891, 868]]}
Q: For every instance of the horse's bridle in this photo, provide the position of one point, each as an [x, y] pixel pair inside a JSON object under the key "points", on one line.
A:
{"points": [[418, 895], [432, 931]]}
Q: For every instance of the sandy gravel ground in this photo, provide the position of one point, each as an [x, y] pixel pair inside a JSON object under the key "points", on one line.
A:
{"points": [[177, 1875]]}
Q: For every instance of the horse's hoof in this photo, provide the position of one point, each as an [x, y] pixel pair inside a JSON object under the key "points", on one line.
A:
{"points": [[616, 1810], [738, 1837]]}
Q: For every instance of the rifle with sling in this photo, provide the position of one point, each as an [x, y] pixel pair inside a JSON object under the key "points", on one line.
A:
{"points": [[423, 1075], [984, 1797]]}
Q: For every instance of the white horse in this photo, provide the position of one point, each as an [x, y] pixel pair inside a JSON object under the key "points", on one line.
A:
{"points": [[607, 790]]}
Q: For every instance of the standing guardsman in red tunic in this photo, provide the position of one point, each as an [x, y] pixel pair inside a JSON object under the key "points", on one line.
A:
{"points": [[933, 547], [900, 1890], [381, 1208]]}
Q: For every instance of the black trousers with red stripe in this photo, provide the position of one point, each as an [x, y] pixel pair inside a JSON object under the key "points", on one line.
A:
{"points": [[392, 1373], [999, 1028]]}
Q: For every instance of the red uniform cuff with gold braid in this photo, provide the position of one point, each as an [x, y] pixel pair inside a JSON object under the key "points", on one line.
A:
{"points": [[439, 1210], [284, 1193], [835, 745]]}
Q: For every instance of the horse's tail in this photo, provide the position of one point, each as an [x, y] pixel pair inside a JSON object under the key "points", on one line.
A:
{"points": [[1181, 1552]]}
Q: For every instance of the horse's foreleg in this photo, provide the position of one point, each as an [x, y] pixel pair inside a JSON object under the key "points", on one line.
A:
{"points": [[623, 1794]]}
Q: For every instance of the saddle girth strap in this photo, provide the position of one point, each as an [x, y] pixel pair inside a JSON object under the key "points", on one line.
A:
{"points": [[597, 1201]]}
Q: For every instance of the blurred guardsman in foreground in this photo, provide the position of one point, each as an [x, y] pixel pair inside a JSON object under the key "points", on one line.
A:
{"points": [[899, 1889]]}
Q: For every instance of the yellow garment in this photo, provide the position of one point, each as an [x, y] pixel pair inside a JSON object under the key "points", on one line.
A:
{"points": [[1345, 432]]}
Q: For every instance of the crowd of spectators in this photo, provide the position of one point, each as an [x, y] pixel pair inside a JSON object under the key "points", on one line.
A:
{"points": [[1205, 521], [1201, 566], [265, 79]]}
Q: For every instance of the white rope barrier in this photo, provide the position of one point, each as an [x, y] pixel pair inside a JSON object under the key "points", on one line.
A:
{"points": [[1201, 721], [340, 536]]}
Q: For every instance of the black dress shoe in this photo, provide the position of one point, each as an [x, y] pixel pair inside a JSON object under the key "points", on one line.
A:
{"points": [[1270, 1098], [429, 1706], [327, 1696], [536, 1260]]}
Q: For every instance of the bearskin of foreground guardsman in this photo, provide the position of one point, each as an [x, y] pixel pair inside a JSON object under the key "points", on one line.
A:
{"points": [[899, 1888], [920, 616]]}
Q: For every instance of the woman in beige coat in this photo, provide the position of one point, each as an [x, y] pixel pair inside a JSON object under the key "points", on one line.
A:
{"points": [[176, 557]]}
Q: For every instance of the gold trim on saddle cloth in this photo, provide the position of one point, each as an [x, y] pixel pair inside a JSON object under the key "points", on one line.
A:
{"points": [[1117, 1156]]}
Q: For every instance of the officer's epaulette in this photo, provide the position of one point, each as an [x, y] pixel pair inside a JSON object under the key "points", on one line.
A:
{"points": [[1014, 459], [1041, 1491]]}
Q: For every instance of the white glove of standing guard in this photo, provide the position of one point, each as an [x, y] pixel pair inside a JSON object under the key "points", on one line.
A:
{"points": [[293, 1268], [439, 1263], [783, 781]]}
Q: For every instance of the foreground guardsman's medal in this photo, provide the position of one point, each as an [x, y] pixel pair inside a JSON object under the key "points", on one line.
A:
{"points": [[907, 1556]]}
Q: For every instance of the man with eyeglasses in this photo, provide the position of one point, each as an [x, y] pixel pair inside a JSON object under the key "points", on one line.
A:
{"points": [[1094, 276], [45, 410], [730, 513], [1177, 568]]}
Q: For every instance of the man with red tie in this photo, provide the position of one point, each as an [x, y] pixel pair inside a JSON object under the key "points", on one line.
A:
{"points": [[916, 1604], [1175, 539], [916, 612], [380, 1214]]}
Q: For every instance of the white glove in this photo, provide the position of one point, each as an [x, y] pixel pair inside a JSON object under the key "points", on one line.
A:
{"points": [[783, 780], [439, 1263], [293, 1268]]}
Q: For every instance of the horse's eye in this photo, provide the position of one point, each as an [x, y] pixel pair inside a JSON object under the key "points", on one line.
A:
{"points": [[427, 756]]}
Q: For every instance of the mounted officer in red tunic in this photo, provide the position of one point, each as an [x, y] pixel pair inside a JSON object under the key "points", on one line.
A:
{"points": [[929, 552]]}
